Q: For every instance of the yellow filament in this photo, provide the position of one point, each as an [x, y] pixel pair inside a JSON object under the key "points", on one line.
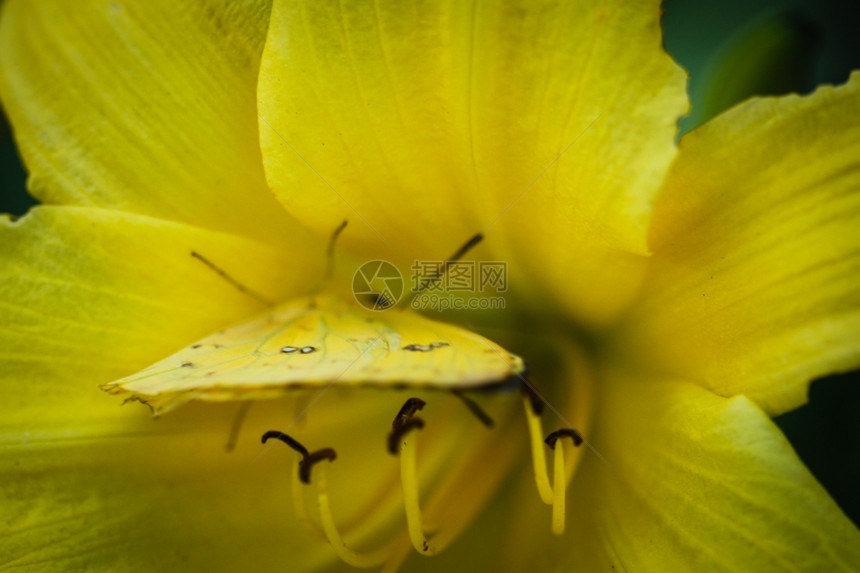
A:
{"points": [[299, 505], [409, 480], [538, 456], [362, 560], [559, 486]]}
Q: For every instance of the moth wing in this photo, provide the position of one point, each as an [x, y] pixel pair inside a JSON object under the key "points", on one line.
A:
{"points": [[318, 341]]}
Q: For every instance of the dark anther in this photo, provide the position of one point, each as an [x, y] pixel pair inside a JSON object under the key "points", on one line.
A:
{"points": [[287, 440], [307, 463], [564, 432], [401, 430], [475, 409], [308, 459], [404, 423], [408, 410], [528, 388]]}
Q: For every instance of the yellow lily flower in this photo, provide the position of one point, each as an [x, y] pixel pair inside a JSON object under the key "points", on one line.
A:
{"points": [[669, 298]]}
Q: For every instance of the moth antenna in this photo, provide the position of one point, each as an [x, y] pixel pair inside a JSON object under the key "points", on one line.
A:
{"points": [[239, 286], [238, 419], [329, 266], [475, 409], [467, 246]]}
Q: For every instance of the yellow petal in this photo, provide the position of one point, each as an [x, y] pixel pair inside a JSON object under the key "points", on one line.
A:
{"points": [[139, 494], [753, 286], [691, 481], [92, 295], [147, 107], [547, 125]]}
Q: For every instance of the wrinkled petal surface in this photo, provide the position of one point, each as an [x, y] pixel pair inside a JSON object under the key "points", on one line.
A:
{"points": [[146, 107], [753, 288], [436, 120], [139, 494]]}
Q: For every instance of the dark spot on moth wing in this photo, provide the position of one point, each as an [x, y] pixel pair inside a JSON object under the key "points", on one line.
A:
{"points": [[300, 350], [201, 345], [187, 365], [424, 347]]}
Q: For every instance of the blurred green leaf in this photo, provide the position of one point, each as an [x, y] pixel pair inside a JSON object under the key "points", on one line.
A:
{"points": [[774, 54]]}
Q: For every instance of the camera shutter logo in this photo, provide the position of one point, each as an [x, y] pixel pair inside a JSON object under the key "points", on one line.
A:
{"points": [[377, 285]]}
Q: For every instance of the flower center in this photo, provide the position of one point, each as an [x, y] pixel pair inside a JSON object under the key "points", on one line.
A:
{"points": [[402, 442]]}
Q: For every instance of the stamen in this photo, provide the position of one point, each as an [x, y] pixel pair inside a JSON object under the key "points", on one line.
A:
{"points": [[401, 441], [298, 495], [538, 457], [308, 460], [536, 400], [287, 440], [399, 431], [302, 473], [362, 560], [409, 480], [408, 410], [564, 432], [559, 481], [306, 464]]}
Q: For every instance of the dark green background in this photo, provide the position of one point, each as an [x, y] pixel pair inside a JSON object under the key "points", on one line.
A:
{"points": [[803, 43]]}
